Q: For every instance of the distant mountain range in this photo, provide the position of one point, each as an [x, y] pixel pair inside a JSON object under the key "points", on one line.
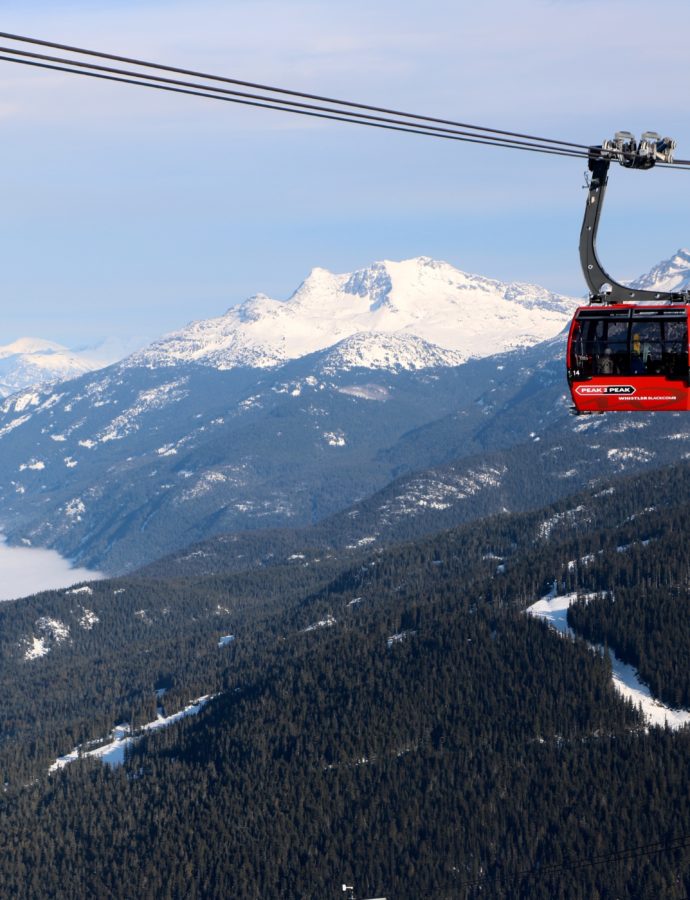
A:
{"points": [[32, 361], [392, 315], [412, 314], [288, 413]]}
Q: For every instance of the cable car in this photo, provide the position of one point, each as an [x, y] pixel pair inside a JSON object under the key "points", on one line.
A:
{"points": [[627, 350]]}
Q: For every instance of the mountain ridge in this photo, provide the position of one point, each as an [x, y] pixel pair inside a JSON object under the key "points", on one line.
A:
{"points": [[672, 274], [461, 316]]}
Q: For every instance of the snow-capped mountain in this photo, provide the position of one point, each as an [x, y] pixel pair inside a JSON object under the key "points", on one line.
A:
{"points": [[32, 361], [218, 429], [669, 275], [405, 315]]}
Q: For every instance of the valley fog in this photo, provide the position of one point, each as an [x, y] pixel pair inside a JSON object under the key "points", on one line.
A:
{"points": [[27, 570]]}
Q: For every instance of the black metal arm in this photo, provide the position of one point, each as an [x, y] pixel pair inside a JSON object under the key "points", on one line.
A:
{"points": [[603, 288]]}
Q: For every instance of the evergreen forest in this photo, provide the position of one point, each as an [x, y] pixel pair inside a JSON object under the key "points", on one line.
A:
{"points": [[388, 718]]}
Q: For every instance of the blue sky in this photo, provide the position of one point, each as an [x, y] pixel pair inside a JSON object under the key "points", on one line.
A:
{"points": [[128, 212]]}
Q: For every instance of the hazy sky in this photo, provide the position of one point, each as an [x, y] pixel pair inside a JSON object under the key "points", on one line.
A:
{"points": [[124, 211]]}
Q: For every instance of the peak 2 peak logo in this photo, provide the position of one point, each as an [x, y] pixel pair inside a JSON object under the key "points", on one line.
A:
{"points": [[597, 390]]}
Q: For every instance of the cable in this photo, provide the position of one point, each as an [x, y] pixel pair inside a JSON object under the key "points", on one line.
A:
{"points": [[289, 105], [492, 137], [250, 84], [336, 115]]}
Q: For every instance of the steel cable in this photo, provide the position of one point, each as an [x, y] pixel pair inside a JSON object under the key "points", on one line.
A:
{"points": [[350, 111], [290, 105], [278, 90], [171, 85]]}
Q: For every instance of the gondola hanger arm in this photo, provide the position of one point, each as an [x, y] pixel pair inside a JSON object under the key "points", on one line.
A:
{"points": [[632, 155]]}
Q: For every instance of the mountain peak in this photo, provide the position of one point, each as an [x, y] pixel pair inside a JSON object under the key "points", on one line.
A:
{"points": [[374, 283], [457, 314], [671, 274], [30, 345]]}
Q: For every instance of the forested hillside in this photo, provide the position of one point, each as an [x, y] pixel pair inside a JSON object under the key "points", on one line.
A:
{"points": [[121, 467], [527, 476], [391, 720]]}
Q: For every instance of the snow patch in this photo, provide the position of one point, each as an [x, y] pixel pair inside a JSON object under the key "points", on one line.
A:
{"points": [[328, 622], [426, 492], [36, 465], [152, 399], [626, 680], [569, 516], [52, 632], [88, 619], [622, 455], [37, 648], [14, 423], [75, 508], [113, 752], [208, 482], [334, 438], [30, 399], [398, 638], [362, 542], [366, 392], [53, 628], [167, 450]]}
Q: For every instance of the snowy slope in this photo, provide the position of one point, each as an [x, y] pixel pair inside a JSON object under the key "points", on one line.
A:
{"points": [[454, 316], [379, 350], [669, 275]]}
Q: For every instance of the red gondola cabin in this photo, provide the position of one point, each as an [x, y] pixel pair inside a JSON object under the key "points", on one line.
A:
{"points": [[629, 358]]}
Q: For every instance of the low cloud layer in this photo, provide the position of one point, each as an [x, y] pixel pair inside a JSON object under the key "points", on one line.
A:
{"points": [[25, 571]]}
